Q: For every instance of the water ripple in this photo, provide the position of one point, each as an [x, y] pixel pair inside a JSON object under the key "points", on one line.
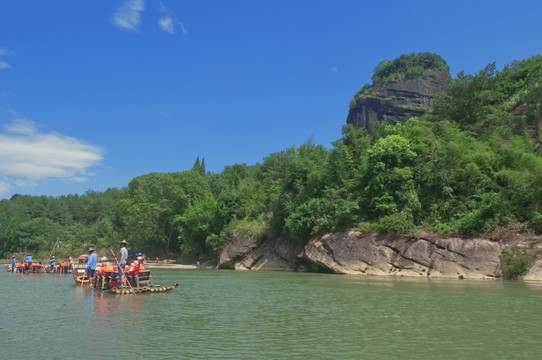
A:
{"points": [[247, 315]]}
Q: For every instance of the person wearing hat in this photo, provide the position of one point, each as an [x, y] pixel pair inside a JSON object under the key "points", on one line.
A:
{"points": [[122, 256], [28, 260], [92, 261], [52, 263], [13, 262], [70, 261]]}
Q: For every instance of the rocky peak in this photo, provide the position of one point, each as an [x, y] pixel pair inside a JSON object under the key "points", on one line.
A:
{"points": [[397, 101]]}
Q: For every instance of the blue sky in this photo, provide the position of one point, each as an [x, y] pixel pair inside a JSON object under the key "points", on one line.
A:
{"points": [[95, 93]]}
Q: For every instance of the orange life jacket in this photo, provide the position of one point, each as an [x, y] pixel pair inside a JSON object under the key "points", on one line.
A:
{"points": [[105, 269], [136, 269]]}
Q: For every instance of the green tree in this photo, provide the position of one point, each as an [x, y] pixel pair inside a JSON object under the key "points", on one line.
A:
{"points": [[197, 223], [145, 215]]}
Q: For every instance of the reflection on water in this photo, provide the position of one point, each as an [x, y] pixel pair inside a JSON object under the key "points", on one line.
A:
{"points": [[250, 315], [112, 314]]}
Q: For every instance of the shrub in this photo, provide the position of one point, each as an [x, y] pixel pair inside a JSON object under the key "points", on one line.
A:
{"points": [[394, 222], [515, 262]]}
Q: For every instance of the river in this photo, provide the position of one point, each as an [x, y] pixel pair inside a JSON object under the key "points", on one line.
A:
{"points": [[220, 314]]}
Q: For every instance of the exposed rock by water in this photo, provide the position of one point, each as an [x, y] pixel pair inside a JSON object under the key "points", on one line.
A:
{"points": [[375, 253], [275, 255], [235, 251], [379, 254], [535, 271], [242, 254]]}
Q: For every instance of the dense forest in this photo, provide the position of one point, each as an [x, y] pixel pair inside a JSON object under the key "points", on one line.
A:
{"points": [[469, 166]]}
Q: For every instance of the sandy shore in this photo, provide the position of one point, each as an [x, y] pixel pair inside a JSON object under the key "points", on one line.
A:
{"points": [[160, 265]]}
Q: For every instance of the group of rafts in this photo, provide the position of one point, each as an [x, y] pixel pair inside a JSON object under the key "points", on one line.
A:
{"points": [[107, 279], [38, 267]]}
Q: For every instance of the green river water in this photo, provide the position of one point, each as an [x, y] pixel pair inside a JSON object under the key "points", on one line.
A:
{"points": [[218, 314]]}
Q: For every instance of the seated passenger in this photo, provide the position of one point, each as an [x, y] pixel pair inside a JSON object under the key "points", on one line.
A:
{"points": [[135, 273], [104, 269], [116, 282], [140, 263]]}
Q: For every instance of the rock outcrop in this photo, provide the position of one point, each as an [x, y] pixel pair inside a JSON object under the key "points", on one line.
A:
{"points": [[429, 255], [396, 102], [236, 250], [244, 254], [534, 272], [374, 253]]}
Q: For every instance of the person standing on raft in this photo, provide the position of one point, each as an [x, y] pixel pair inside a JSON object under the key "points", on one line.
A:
{"points": [[92, 261], [13, 261], [28, 260], [53, 263], [122, 256]]}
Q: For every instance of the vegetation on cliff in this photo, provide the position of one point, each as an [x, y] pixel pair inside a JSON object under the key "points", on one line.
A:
{"points": [[469, 166], [405, 67]]}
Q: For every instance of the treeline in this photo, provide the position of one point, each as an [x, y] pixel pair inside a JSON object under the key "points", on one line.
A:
{"points": [[469, 166], [35, 223]]}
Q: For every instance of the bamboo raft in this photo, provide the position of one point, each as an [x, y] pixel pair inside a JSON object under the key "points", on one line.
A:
{"points": [[145, 289], [37, 268], [102, 283]]}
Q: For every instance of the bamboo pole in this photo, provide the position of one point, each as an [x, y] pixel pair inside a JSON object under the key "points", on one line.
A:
{"points": [[54, 247], [123, 274]]}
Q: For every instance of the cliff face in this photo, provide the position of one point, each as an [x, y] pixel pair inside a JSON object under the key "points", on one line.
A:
{"points": [[356, 253], [396, 102]]}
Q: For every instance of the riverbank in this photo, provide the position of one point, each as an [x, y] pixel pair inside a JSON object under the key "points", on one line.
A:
{"points": [[414, 254], [166, 265]]}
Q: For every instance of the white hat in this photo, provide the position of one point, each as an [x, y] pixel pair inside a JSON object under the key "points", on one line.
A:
{"points": [[139, 258]]}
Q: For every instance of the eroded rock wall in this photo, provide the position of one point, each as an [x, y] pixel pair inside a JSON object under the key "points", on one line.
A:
{"points": [[398, 101], [374, 253], [378, 254]]}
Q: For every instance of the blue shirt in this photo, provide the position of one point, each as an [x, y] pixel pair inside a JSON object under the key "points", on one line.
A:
{"points": [[91, 262], [52, 261], [13, 261], [28, 259]]}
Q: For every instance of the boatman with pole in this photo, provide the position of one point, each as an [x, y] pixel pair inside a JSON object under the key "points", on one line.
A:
{"points": [[13, 262], [122, 256], [28, 260], [92, 261], [53, 263]]}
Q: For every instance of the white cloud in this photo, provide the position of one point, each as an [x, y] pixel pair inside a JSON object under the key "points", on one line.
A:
{"points": [[22, 127], [335, 70], [166, 24], [28, 155], [168, 21], [6, 52], [4, 64], [183, 29], [4, 187], [128, 17]]}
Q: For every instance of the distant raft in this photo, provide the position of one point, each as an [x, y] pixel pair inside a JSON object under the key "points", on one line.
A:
{"points": [[144, 289]]}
